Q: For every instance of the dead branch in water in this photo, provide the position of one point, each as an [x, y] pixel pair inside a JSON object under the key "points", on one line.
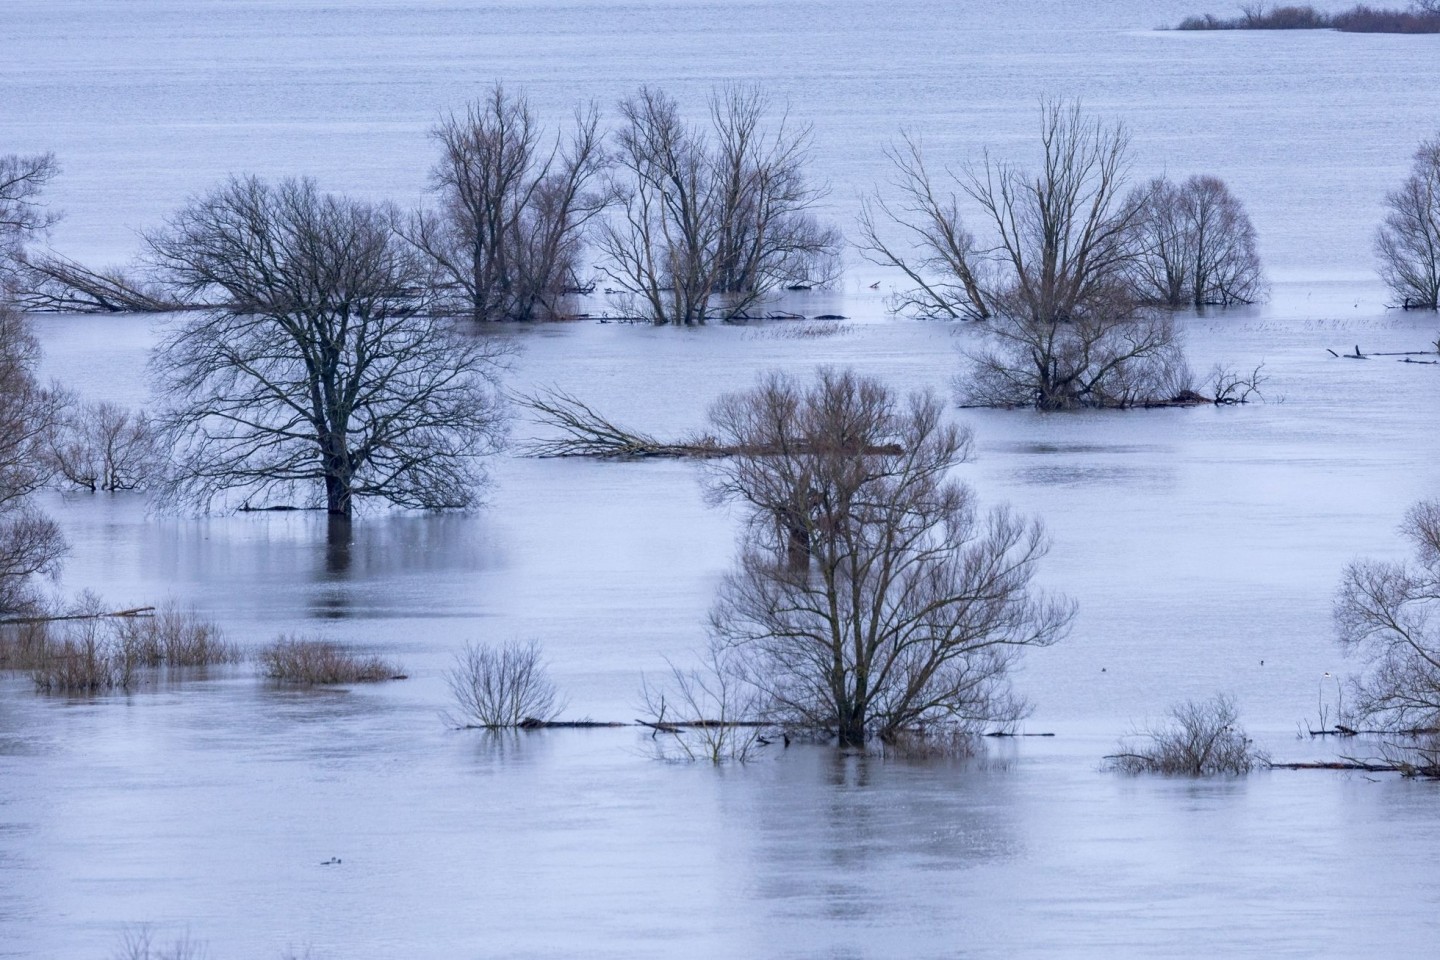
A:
{"points": [[53, 283], [133, 612]]}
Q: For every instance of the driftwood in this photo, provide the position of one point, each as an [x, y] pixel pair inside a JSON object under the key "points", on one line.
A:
{"points": [[1368, 766], [1405, 355], [132, 612], [1004, 733], [54, 283]]}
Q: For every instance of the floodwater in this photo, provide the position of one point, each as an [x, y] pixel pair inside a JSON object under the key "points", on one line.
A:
{"points": [[1203, 545]]}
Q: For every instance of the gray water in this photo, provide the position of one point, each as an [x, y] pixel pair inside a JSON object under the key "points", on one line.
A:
{"points": [[1199, 543]]}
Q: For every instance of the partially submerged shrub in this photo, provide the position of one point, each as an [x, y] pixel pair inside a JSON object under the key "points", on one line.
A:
{"points": [[174, 638], [141, 943], [1200, 739], [82, 657], [88, 650], [312, 661], [501, 686], [709, 713]]}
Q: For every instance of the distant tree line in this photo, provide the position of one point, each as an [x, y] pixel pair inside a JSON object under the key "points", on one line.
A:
{"points": [[1423, 16]]}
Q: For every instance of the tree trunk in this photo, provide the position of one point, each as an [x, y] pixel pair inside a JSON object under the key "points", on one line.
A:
{"points": [[852, 731]]}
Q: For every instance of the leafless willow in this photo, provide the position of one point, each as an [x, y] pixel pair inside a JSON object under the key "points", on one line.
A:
{"points": [[710, 221], [1049, 276], [946, 272], [1195, 245], [870, 596], [514, 206], [1408, 241], [30, 543], [1385, 614], [320, 377]]}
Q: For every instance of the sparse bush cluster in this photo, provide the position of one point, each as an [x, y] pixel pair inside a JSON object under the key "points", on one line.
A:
{"points": [[311, 661], [89, 651]]}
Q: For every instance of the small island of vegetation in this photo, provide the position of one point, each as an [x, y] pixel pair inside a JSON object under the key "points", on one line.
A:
{"points": [[1423, 16]]}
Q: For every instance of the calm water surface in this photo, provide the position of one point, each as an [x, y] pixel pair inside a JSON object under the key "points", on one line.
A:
{"points": [[1198, 542]]}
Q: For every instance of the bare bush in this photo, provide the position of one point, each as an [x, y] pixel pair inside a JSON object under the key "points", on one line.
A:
{"points": [[496, 687], [1201, 739], [708, 222], [141, 943], [508, 236], [85, 649], [320, 375], [1385, 614], [173, 637], [314, 662], [1195, 245], [712, 712], [1408, 241], [870, 598], [102, 446], [82, 656]]}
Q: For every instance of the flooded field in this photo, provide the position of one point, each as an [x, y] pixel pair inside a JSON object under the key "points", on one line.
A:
{"points": [[1203, 545]]}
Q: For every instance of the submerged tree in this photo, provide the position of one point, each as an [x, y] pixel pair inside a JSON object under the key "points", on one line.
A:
{"points": [[30, 543], [870, 597], [321, 373], [1408, 241], [1051, 277], [102, 446], [1195, 245], [710, 221], [1386, 614], [514, 207]]}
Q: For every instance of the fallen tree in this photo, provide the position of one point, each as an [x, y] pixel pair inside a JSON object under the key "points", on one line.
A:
{"points": [[584, 432], [56, 284]]}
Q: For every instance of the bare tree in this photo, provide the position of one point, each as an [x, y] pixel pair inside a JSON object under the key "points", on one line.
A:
{"points": [[870, 598], [1050, 276], [101, 446], [1196, 245], [1408, 241], [508, 237], [946, 273], [710, 222], [30, 543], [321, 374], [1385, 614], [22, 178]]}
